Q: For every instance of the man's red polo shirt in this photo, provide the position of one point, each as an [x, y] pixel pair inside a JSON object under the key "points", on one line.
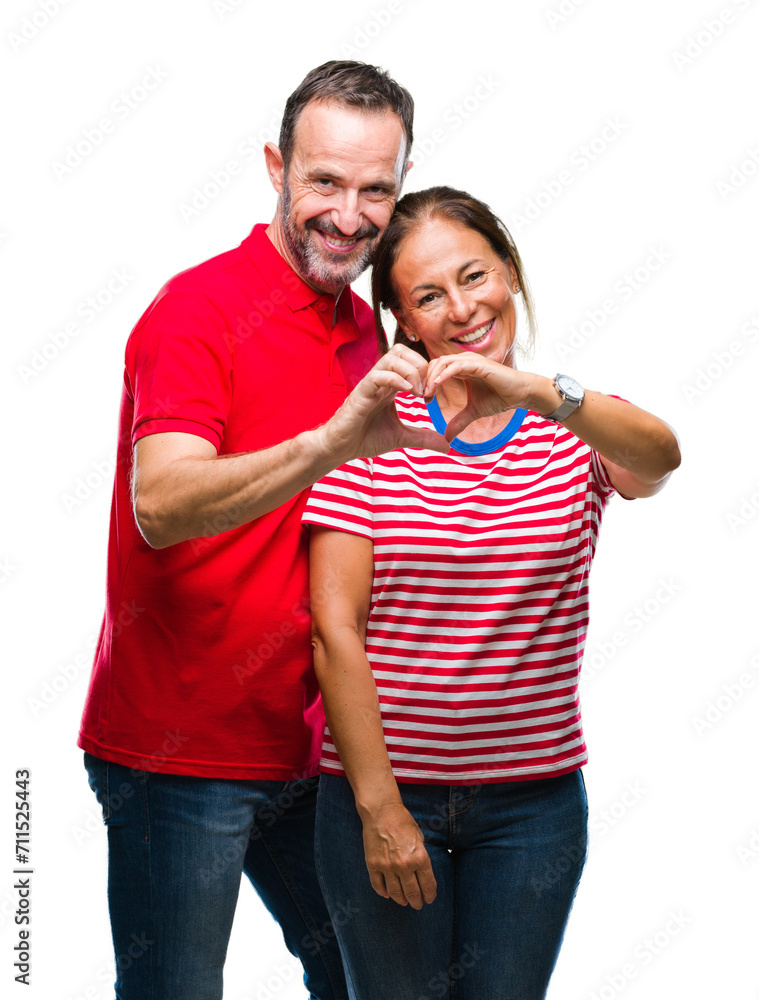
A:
{"points": [[203, 664]]}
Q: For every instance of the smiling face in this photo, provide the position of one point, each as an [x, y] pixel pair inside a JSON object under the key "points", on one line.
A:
{"points": [[338, 193], [455, 292]]}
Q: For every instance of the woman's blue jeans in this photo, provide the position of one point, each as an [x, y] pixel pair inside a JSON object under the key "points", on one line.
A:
{"points": [[177, 848], [507, 858]]}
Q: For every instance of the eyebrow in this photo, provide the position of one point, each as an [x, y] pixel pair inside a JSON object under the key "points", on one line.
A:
{"points": [[420, 288], [390, 184]]}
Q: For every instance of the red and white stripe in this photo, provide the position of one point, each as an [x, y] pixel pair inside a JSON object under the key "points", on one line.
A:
{"points": [[479, 605]]}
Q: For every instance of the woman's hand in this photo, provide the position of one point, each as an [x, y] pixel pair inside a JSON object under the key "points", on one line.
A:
{"points": [[396, 858], [490, 387]]}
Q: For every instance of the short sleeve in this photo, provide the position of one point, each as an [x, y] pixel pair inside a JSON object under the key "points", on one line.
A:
{"points": [[344, 499], [600, 475], [179, 369]]}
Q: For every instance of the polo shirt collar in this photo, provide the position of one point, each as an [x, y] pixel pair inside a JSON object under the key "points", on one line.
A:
{"points": [[278, 274]]}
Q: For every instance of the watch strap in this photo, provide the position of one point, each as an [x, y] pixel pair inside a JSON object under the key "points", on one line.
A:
{"points": [[567, 407]]}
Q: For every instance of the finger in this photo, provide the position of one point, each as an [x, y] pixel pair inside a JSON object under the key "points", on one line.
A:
{"points": [[395, 889], [378, 884], [411, 437], [426, 880], [376, 380], [459, 422], [407, 363], [454, 369], [401, 351], [411, 890]]}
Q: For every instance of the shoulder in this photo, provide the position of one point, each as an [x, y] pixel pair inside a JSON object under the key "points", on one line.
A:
{"points": [[203, 277]]}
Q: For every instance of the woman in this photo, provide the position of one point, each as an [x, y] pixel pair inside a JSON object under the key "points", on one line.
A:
{"points": [[450, 611]]}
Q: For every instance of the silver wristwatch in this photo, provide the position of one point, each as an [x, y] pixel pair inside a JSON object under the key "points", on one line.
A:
{"points": [[572, 395]]}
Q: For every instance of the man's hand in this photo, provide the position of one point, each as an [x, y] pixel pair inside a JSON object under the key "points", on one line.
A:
{"points": [[367, 423], [396, 858]]}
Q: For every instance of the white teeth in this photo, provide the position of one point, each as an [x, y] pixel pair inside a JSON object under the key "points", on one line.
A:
{"points": [[477, 334], [334, 241]]}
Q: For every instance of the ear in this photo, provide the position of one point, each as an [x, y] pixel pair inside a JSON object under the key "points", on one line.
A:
{"points": [[399, 318], [275, 166], [404, 323], [513, 279]]}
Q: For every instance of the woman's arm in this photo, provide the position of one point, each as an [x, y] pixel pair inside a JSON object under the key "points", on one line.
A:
{"points": [[639, 450], [342, 568]]}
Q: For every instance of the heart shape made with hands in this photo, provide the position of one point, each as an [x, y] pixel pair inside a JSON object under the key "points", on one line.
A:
{"points": [[491, 387], [374, 425]]}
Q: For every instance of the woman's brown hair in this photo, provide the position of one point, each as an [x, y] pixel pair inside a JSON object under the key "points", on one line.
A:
{"points": [[457, 206]]}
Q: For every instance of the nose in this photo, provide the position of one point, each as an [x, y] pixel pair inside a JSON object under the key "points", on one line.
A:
{"points": [[460, 306], [346, 214]]}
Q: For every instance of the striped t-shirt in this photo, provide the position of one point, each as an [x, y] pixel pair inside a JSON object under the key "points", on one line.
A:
{"points": [[479, 604]]}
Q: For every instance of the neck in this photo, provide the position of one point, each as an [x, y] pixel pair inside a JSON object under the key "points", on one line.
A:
{"points": [[451, 395]]}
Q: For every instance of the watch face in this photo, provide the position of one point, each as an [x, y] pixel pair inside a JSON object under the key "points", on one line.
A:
{"points": [[571, 389]]}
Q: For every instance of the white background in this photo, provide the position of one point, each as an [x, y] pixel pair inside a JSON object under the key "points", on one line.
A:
{"points": [[669, 698]]}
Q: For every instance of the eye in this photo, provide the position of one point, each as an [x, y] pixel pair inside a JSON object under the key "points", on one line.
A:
{"points": [[426, 299], [324, 182], [475, 276]]}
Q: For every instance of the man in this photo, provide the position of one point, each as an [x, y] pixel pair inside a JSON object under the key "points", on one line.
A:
{"points": [[203, 722]]}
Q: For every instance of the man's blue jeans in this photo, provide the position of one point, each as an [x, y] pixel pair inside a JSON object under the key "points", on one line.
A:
{"points": [[177, 848], [507, 858]]}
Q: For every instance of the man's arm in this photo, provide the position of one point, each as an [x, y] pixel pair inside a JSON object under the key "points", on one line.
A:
{"points": [[182, 489]]}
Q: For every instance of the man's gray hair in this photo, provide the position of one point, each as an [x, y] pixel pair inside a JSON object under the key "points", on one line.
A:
{"points": [[355, 84]]}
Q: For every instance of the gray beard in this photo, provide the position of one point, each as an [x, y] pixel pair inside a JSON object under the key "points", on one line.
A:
{"points": [[312, 265]]}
